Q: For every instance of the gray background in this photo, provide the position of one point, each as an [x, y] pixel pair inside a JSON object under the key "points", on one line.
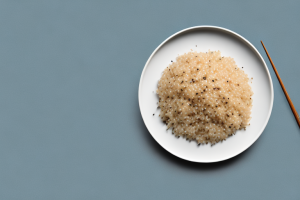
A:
{"points": [[70, 126]]}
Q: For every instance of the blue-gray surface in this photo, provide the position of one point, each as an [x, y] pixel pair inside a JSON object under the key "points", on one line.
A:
{"points": [[70, 125]]}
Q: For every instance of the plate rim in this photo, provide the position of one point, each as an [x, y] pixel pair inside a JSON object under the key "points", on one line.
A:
{"points": [[244, 40]]}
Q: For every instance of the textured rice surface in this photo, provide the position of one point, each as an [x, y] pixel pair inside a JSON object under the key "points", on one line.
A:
{"points": [[204, 97]]}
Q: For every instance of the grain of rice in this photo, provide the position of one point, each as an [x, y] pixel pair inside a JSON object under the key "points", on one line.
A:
{"points": [[202, 102]]}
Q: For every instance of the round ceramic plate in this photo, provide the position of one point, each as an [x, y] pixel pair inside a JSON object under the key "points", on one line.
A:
{"points": [[202, 39]]}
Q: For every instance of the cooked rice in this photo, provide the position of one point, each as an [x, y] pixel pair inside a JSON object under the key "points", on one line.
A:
{"points": [[204, 97]]}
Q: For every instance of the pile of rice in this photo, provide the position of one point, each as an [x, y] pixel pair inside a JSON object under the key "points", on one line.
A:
{"points": [[204, 97]]}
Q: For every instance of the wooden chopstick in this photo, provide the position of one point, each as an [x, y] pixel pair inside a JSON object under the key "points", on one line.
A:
{"points": [[283, 88]]}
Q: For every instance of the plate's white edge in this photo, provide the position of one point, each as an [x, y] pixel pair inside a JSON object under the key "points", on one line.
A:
{"points": [[245, 40]]}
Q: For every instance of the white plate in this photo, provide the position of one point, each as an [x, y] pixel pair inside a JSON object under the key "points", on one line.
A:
{"points": [[230, 44]]}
